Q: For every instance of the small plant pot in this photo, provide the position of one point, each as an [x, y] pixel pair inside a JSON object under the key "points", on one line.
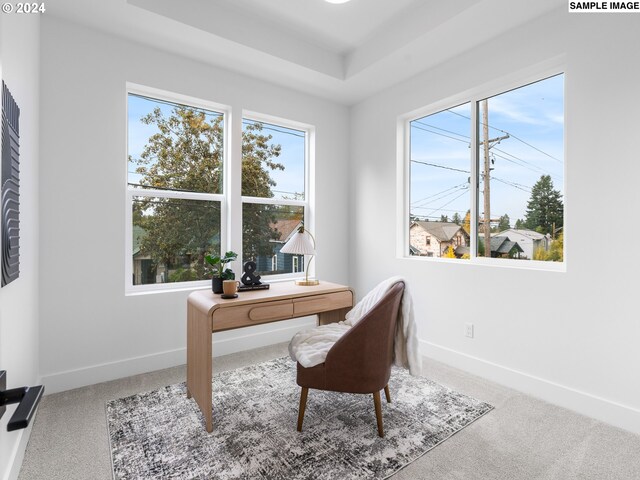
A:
{"points": [[216, 282], [216, 285]]}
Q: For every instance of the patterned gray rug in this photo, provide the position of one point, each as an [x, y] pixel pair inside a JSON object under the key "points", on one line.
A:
{"points": [[160, 434]]}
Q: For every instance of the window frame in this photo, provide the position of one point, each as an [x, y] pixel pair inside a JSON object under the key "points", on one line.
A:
{"points": [[307, 203], [474, 96], [230, 199]]}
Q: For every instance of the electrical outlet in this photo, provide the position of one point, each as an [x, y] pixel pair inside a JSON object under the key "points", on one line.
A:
{"points": [[468, 330]]}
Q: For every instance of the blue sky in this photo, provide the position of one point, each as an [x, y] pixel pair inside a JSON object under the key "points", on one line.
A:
{"points": [[533, 117], [288, 181]]}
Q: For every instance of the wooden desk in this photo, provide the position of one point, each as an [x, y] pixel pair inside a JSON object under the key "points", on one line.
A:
{"points": [[207, 313]]}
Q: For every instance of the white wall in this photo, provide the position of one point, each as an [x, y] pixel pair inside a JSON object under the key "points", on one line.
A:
{"points": [[91, 331], [19, 56], [575, 341]]}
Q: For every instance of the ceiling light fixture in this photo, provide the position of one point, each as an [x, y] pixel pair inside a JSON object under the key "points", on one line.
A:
{"points": [[336, 1]]}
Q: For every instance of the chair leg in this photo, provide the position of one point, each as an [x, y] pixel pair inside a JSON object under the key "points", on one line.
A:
{"points": [[387, 394], [303, 405], [376, 402]]}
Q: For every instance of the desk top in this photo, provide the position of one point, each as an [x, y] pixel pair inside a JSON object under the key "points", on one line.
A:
{"points": [[207, 301]]}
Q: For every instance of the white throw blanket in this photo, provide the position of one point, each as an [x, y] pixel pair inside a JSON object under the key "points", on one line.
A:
{"points": [[310, 346]]}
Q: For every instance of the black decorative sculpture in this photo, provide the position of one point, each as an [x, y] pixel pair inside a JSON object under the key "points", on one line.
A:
{"points": [[249, 278]]}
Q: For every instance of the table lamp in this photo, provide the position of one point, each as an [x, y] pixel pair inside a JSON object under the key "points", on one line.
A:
{"points": [[302, 243]]}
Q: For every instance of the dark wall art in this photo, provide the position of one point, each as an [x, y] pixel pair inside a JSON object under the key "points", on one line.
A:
{"points": [[10, 230]]}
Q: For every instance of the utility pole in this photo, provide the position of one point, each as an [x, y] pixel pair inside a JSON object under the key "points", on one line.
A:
{"points": [[487, 166], [486, 175]]}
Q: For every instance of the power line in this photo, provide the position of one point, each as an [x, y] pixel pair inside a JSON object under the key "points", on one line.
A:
{"points": [[439, 197], [449, 202], [510, 134], [443, 129], [442, 134], [455, 187], [440, 166], [175, 104], [537, 169], [273, 128]]}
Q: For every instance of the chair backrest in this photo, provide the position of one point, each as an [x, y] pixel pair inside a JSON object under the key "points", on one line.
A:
{"points": [[360, 362]]}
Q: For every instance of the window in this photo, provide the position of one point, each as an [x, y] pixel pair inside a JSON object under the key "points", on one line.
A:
{"points": [[179, 209], [273, 192], [486, 177], [175, 188]]}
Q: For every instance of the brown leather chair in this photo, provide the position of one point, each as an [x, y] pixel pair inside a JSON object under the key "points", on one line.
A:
{"points": [[360, 361]]}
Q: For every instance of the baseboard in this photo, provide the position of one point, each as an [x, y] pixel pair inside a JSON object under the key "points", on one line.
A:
{"points": [[17, 455], [613, 413], [223, 344]]}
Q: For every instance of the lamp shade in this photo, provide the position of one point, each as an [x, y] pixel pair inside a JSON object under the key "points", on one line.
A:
{"points": [[301, 243]]}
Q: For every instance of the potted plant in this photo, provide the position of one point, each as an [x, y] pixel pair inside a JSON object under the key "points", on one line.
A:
{"points": [[220, 273]]}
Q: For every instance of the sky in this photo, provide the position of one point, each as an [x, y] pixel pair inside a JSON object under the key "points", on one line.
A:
{"points": [[288, 181], [532, 116]]}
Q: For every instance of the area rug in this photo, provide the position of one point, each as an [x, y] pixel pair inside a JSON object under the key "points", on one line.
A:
{"points": [[160, 434]]}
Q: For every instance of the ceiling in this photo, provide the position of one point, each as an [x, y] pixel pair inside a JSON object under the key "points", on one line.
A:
{"points": [[344, 52]]}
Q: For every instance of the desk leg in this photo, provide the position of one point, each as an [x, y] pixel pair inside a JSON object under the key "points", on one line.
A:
{"points": [[332, 316], [199, 367]]}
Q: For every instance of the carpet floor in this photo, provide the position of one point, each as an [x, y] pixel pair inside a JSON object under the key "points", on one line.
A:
{"points": [[160, 434], [523, 438]]}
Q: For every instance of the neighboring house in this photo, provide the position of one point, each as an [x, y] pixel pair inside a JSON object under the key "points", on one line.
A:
{"points": [[528, 240], [502, 246], [279, 262], [432, 239]]}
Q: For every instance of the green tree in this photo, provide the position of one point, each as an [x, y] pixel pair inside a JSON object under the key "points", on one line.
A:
{"points": [[444, 218], [186, 154], [457, 219], [504, 223], [545, 208]]}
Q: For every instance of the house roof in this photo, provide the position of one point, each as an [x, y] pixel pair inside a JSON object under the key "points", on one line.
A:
{"points": [[533, 235], [285, 228], [504, 245], [443, 231]]}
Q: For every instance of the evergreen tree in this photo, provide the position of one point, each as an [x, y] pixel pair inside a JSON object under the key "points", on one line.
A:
{"points": [[545, 208], [504, 223]]}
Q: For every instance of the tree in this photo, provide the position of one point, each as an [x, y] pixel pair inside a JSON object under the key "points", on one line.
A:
{"points": [[555, 252], [444, 218], [520, 224], [545, 209], [466, 224], [186, 154], [504, 223], [449, 252], [456, 218]]}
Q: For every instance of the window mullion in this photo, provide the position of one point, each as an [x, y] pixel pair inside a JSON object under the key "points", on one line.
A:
{"points": [[233, 186], [474, 181]]}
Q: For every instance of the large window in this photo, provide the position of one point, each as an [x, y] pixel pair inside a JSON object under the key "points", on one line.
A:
{"points": [[179, 178], [273, 193], [487, 177]]}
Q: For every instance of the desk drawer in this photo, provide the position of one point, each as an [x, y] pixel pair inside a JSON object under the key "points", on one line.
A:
{"points": [[254, 314], [322, 303]]}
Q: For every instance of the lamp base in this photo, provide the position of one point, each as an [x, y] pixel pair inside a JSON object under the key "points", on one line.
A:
{"points": [[307, 283]]}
